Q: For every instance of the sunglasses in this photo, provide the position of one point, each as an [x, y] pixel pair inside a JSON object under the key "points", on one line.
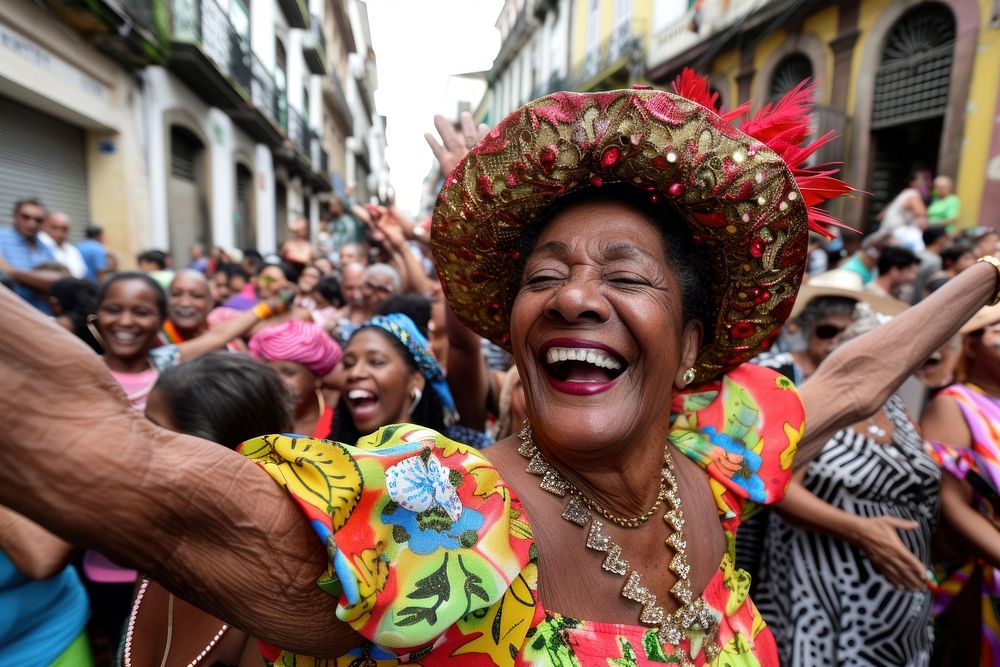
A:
{"points": [[827, 331], [36, 218]]}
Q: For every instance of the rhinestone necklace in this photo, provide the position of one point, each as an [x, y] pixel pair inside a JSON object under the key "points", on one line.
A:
{"points": [[693, 618]]}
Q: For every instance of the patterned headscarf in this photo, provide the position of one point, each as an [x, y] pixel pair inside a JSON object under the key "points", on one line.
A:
{"points": [[407, 333], [302, 342]]}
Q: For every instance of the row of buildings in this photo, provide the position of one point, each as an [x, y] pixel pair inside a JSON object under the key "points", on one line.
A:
{"points": [[908, 83], [168, 122]]}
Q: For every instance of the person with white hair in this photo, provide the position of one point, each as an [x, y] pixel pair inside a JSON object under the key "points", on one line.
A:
{"points": [[379, 282]]}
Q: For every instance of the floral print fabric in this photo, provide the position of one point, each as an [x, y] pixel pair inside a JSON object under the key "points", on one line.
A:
{"points": [[432, 554], [982, 459]]}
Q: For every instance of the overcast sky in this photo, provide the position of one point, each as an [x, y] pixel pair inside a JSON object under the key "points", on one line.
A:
{"points": [[418, 44]]}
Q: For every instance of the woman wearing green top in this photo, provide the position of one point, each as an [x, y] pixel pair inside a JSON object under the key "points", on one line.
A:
{"points": [[944, 207]]}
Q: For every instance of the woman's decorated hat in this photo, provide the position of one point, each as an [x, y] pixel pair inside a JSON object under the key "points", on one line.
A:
{"points": [[744, 194]]}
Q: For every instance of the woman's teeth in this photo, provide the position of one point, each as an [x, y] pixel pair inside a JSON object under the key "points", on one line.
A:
{"points": [[124, 336], [598, 358], [359, 394]]}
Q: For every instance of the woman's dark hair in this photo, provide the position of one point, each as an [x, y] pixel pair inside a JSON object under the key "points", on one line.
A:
{"points": [[157, 257], [158, 291], [415, 306], [291, 271], [429, 411], [688, 262], [955, 249], [77, 300], [329, 288], [822, 307], [896, 257], [226, 398], [234, 270], [253, 259]]}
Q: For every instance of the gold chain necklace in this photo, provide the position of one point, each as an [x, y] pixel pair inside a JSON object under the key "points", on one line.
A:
{"points": [[693, 618]]}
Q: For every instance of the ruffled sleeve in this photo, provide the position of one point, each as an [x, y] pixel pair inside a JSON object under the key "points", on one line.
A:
{"points": [[420, 530], [743, 430]]}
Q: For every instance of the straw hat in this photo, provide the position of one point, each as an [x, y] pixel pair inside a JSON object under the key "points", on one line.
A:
{"points": [[743, 193], [849, 285]]}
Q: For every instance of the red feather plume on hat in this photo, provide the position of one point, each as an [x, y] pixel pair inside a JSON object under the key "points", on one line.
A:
{"points": [[783, 126]]}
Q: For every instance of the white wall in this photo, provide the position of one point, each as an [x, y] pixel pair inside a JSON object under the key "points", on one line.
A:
{"points": [[263, 16], [222, 165], [264, 192], [163, 93]]}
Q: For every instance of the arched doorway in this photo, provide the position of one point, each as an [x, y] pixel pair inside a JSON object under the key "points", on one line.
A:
{"points": [[187, 207], [793, 69], [245, 222], [910, 100]]}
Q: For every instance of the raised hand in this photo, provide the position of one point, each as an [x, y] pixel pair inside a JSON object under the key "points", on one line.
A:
{"points": [[454, 143]]}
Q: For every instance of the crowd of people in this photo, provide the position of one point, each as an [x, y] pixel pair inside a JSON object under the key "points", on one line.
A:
{"points": [[552, 306]]}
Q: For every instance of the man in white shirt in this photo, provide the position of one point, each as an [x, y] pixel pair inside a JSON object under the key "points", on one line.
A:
{"points": [[55, 235]]}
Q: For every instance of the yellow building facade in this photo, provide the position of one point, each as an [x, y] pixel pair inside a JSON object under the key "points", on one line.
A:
{"points": [[909, 85]]}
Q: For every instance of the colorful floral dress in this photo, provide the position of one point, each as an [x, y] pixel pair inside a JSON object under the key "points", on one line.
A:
{"points": [[432, 556], [982, 460]]}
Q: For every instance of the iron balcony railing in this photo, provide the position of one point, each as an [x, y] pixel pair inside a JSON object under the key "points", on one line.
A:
{"points": [[317, 154], [143, 12], [316, 30], [625, 41], [264, 93], [335, 91], [205, 24], [298, 132]]}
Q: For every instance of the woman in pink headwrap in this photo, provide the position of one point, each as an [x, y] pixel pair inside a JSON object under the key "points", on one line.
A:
{"points": [[303, 354]]}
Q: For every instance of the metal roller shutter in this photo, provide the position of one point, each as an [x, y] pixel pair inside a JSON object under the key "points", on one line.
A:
{"points": [[43, 157]]}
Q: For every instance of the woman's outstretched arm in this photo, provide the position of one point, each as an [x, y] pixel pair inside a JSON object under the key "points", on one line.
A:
{"points": [[861, 375], [199, 518]]}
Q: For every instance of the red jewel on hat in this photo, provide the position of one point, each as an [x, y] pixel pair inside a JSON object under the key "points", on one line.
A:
{"points": [[610, 156], [676, 190], [760, 295], [511, 180], [743, 330], [660, 162], [485, 185], [516, 255], [596, 181], [547, 157], [757, 247]]}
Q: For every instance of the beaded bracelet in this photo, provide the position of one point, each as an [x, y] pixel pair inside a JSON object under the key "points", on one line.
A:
{"points": [[990, 259]]}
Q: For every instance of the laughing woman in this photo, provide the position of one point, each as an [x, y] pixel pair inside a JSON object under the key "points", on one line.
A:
{"points": [[131, 310], [639, 233], [392, 377]]}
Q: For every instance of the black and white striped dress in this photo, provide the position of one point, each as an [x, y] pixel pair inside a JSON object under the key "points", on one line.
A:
{"points": [[821, 597]]}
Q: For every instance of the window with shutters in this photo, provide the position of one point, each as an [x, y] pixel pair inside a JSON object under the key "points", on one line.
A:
{"points": [[185, 151], [912, 79], [792, 69]]}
